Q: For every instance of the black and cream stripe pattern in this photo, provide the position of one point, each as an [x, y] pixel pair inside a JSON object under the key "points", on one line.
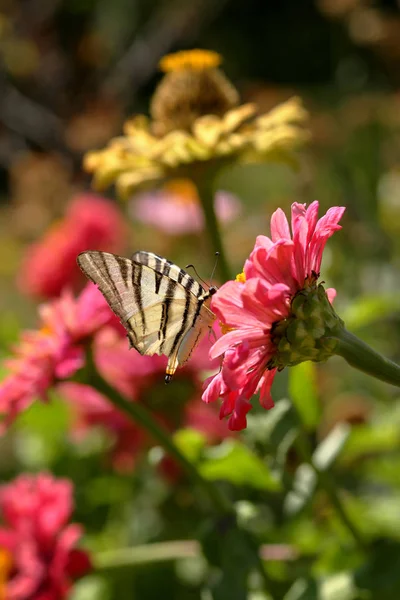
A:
{"points": [[164, 310]]}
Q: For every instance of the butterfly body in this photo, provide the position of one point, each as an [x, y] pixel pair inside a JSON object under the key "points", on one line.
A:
{"points": [[164, 310]]}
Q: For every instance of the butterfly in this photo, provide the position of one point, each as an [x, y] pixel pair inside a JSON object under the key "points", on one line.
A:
{"points": [[164, 310]]}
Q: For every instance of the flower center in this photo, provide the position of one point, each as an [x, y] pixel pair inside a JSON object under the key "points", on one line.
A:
{"points": [[309, 333], [5, 570], [192, 87], [46, 330], [196, 60]]}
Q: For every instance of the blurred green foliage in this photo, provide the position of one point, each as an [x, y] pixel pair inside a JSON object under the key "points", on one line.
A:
{"points": [[88, 65]]}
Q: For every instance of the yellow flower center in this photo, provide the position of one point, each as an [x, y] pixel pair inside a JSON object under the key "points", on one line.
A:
{"points": [[225, 328], [5, 569], [46, 330], [241, 277], [192, 87], [195, 60]]}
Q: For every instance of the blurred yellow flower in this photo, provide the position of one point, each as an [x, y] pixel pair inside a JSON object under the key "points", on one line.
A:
{"points": [[195, 117]]}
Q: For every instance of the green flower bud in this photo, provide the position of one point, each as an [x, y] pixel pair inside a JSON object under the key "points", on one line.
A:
{"points": [[310, 332]]}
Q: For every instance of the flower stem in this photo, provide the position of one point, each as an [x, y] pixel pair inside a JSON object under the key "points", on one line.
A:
{"points": [[361, 356], [329, 487], [175, 550], [140, 414], [325, 482], [147, 553], [206, 194], [220, 503]]}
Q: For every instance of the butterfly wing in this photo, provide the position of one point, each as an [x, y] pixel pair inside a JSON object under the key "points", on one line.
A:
{"points": [[163, 308], [114, 276]]}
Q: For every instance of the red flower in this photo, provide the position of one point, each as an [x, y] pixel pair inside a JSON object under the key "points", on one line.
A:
{"points": [[50, 264], [38, 540], [55, 351], [276, 270]]}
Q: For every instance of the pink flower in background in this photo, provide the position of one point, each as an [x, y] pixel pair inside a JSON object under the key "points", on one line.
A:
{"points": [[275, 271], [38, 539], [176, 209], [55, 351], [141, 379], [78, 318], [33, 369], [50, 264]]}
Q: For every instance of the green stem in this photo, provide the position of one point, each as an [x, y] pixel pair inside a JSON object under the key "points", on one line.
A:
{"points": [[359, 355], [325, 482], [334, 497], [175, 550], [140, 414], [206, 194], [147, 553]]}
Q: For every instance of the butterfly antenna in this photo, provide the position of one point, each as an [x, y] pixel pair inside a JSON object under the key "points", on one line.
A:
{"points": [[197, 275], [212, 273], [215, 266]]}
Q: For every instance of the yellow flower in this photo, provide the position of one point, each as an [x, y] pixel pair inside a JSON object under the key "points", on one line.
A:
{"points": [[195, 118]]}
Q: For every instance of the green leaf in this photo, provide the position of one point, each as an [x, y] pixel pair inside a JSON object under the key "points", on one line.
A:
{"points": [[303, 392], [368, 310], [190, 442], [93, 587], [275, 430], [328, 450], [233, 461], [233, 554], [340, 586], [41, 432], [303, 589], [9, 329], [380, 573], [366, 440], [304, 485]]}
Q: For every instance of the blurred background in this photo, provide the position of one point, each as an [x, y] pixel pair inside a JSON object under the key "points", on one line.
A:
{"points": [[71, 72]]}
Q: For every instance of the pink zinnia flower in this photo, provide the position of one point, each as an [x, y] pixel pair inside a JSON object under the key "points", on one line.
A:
{"points": [[176, 209], [55, 351], [38, 539], [50, 264], [248, 308]]}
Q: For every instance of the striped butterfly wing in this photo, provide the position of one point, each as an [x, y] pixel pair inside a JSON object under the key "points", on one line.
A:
{"points": [[163, 309]]}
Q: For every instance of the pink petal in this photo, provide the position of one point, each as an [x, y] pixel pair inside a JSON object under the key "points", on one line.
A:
{"points": [[253, 336], [273, 265], [228, 306], [299, 266], [312, 217], [298, 213], [279, 226], [324, 229], [238, 420], [264, 387], [331, 293], [214, 387]]}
